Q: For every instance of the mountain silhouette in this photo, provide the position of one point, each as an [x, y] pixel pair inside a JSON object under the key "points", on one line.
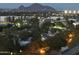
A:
{"points": [[37, 8]]}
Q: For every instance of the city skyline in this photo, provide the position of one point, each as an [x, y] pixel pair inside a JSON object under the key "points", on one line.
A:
{"points": [[58, 6]]}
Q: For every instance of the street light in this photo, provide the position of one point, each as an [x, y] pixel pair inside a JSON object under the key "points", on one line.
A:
{"points": [[42, 51], [70, 37], [69, 41]]}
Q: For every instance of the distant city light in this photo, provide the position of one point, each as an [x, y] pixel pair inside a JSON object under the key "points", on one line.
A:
{"points": [[76, 23], [11, 53], [78, 11], [65, 11], [43, 39], [74, 12], [18, 24], [20, 51], [70, 11]]}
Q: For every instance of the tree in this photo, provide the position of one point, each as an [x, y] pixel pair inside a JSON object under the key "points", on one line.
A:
{"points": [[45, 27], [57, 41]]}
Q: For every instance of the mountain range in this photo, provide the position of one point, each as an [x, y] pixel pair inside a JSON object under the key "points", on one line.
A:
{"points": [[36, 7]]}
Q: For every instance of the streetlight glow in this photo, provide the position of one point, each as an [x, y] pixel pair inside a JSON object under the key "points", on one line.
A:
{"points": [[70, 35], [42, 51], [69, 41]]}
